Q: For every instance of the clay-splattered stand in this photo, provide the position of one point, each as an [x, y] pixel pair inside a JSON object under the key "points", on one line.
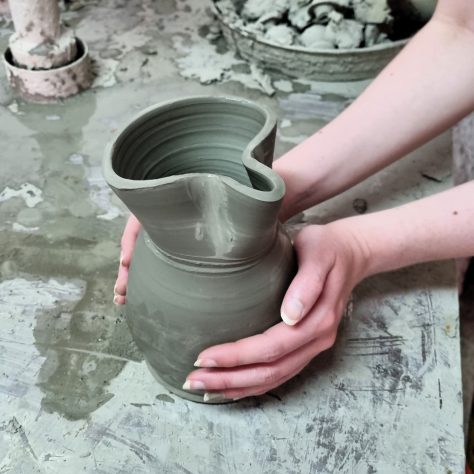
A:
{"points": [[44, 60]]}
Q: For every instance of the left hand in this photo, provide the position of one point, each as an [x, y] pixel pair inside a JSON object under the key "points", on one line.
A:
{"points": [[129, 237], [331, 262]]}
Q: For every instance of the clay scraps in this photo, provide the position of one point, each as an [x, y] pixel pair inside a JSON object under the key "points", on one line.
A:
{"points": [[312, 24]]}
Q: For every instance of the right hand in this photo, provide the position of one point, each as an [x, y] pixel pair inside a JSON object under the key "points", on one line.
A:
{"points": [[127, 244], [331, 261]]}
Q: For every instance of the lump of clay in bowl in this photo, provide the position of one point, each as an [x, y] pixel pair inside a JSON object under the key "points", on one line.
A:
{"points": [[256, 28], [280, 34], [345, 34], [373, 36], [314, 38], [321, 13], [304, 13], [256, 9], [300, 14], [349, 24], [374, 11]]}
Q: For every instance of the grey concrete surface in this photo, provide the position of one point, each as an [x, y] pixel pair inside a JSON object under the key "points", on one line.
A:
{"points": [[75, 394]]}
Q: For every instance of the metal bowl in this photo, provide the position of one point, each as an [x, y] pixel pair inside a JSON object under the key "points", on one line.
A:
{"points": [[304, 63]]}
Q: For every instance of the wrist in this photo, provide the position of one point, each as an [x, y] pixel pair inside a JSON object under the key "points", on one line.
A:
{"points": [[305, 176], [349, 232], [379, 241], [389, 239]]}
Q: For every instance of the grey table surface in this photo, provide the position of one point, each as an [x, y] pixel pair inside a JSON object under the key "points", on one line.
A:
{"points": [[75, 394]]}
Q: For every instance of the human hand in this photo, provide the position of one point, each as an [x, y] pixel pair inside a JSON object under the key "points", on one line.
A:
{"points": [[332, 260], [129, 237]]}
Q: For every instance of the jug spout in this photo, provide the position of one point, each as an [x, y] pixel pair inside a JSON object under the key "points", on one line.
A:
{"points": [[197, 175]]}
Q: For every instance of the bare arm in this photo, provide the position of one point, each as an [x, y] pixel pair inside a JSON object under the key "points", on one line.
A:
{"points": [[427, 88], [435, 228]]}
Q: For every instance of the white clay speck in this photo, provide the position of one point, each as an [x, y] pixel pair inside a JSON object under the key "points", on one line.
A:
{"points": [[27, 191], [283, 85]]}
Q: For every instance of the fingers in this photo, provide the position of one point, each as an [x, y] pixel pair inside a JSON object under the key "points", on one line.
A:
{"points": [[262, 348], [120, 288], [118, 299], [280, 339], [236, 394], [129, 237], [257, 379], [308, 284]]}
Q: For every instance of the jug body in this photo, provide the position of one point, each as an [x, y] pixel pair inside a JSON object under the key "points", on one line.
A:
{"points": [[212, 262]]}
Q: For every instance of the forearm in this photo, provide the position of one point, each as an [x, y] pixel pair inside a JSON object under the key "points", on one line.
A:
{"points": [[424, 90], [434, 228]]}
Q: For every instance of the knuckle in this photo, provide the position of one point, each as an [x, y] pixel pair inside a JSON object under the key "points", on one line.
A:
{"points": [[318, 282], [237, 394], [328, 323], [330, 340], [298, 241], [269, 375], [236, 353], [273, 351], [341, 306], [225, 383], [262, 391], [302, 238]]}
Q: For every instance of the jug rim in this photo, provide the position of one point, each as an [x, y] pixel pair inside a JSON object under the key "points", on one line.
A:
{"points": [[277, 190]]}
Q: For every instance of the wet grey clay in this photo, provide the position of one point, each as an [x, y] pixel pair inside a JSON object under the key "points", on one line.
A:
{"points": [[212, 262]]}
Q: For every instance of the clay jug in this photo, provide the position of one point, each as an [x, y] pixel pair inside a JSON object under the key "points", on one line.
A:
{"points": [[212, 263]]}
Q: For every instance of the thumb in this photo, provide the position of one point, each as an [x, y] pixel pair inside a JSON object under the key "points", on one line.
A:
{"points": [[303, 292]]}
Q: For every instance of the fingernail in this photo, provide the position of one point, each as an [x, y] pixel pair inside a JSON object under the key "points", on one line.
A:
{"points": [[292, 311], [214, 397], [116, 300], [208, 363], [194, 385]]}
